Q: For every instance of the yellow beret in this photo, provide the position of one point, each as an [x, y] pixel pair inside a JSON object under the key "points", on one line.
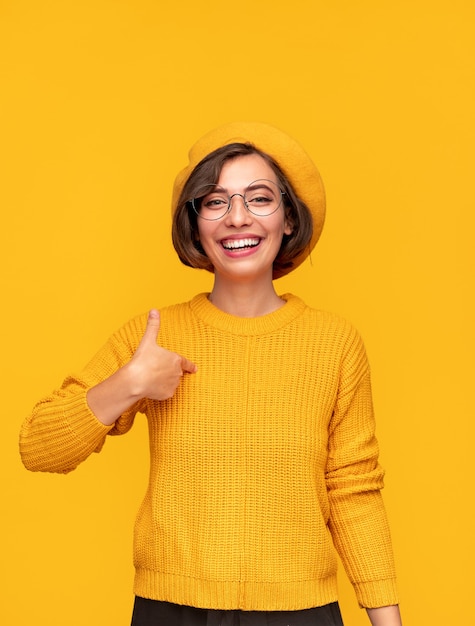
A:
{"points": [[288, 154]]}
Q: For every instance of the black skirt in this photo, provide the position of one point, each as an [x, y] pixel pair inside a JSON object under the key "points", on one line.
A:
{"points": [[156, 613]]}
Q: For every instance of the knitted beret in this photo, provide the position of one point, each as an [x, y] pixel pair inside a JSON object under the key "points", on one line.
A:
{"points": [[288, 154]]}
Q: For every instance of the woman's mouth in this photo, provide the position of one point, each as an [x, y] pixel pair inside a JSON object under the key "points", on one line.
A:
{"points": [[240, 244]]}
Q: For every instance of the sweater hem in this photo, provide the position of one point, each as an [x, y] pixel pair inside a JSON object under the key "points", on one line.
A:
{"points": [[235, 595]]}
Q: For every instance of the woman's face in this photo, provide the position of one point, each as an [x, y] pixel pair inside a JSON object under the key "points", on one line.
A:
{"points": [[241, 245]]}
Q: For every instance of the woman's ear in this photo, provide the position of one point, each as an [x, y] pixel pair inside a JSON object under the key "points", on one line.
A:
{"points": [[288, 225]]}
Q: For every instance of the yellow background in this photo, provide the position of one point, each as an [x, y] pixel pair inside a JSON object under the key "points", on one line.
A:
{"points": [[100, 101]]}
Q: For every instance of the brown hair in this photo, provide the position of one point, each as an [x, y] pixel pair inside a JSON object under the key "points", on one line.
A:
{"points": [[185, 227]]}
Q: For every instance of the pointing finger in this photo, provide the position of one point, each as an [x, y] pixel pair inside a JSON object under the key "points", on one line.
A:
{"points": [[188, 366]]}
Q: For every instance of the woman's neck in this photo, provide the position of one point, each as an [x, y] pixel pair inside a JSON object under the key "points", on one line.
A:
{"points": [[245, 299]]}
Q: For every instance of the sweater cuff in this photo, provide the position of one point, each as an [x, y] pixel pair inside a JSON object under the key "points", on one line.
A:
{"points": [[63, 437], [378, 593], [83, 423]]}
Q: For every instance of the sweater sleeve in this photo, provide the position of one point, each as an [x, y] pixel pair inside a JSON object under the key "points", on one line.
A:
{"points": [[354, 478], [62, 431]]}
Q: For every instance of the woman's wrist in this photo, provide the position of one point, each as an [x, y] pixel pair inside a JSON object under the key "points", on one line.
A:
{"points": [[385, 616], [110, 398]]}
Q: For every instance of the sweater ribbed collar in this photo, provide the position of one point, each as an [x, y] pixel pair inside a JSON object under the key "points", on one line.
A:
{"points": [[263, 325]]}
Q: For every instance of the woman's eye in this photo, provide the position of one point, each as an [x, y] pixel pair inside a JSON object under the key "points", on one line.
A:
{"points": [[259, 199], [214, 203]]}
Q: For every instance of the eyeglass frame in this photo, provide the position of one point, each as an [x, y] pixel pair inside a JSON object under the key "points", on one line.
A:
{"points": [[243, 196]]}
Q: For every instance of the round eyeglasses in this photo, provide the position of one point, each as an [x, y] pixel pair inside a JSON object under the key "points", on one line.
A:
{"points": [[262, 197]]}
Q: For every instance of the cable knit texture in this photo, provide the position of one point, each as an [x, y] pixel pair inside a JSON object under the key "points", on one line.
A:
{"points": [[262, 463]]}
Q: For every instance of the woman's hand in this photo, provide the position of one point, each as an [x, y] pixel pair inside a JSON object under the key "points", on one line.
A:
{"points": [[153, 372]]}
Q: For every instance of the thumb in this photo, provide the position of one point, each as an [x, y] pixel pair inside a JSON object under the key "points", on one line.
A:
{"points": [[153, 326]]}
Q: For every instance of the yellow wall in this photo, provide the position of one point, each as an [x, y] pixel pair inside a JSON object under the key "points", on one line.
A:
{"points": [[100, 101]]}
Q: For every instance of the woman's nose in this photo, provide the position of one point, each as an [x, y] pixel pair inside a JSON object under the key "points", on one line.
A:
{"points": [[238, 214]]}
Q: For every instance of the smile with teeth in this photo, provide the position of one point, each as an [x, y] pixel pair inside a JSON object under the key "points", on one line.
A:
{"points": [[240, 244]]}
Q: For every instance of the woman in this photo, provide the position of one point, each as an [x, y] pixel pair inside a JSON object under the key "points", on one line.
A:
{"points": [[263, 454]]}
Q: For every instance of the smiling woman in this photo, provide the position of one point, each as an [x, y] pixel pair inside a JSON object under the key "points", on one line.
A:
{"points": [[253, 491], [192, 181], [240, 245]]}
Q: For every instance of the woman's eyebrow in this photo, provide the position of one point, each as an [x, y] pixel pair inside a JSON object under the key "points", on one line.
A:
{"points": [[259, 185]]}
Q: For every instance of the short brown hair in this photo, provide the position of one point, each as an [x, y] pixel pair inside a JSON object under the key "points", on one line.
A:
{"points": [[185, 227]]}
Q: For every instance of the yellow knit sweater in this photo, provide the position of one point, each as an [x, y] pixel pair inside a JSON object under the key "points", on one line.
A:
{"points": [[261, 463]]}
